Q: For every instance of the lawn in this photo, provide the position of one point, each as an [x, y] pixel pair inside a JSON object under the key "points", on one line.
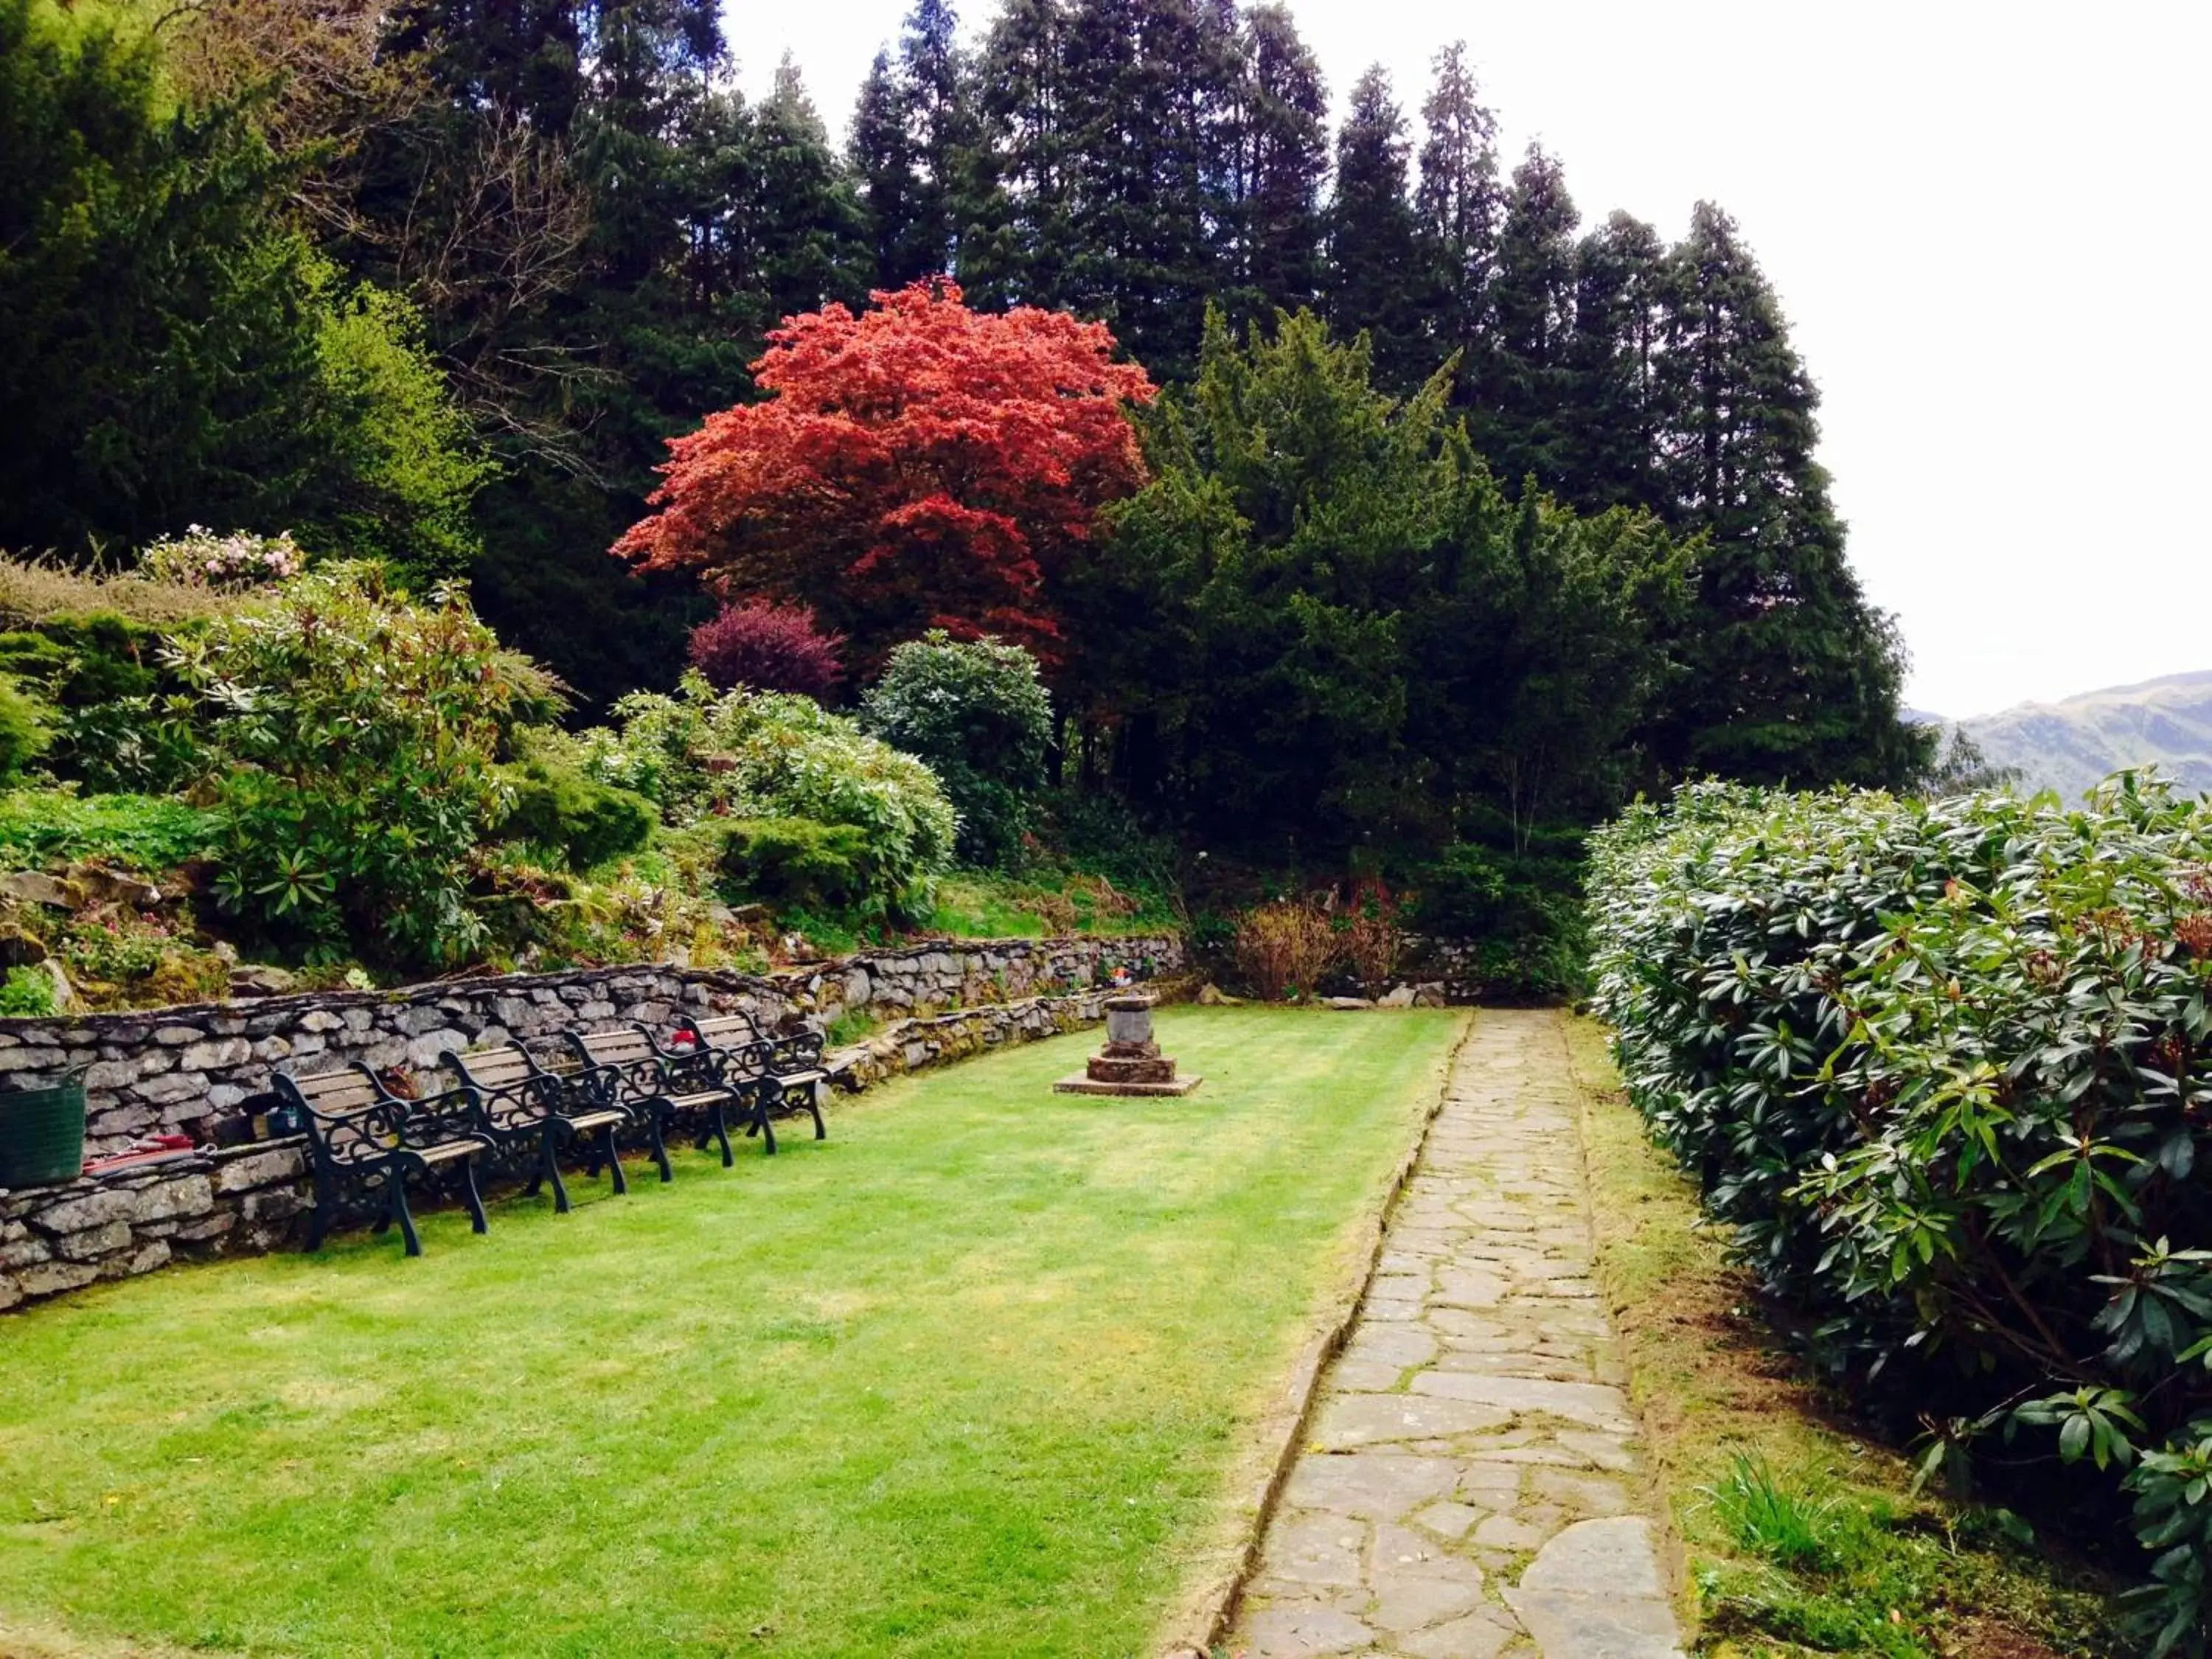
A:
{"points": [[972, 1378]]}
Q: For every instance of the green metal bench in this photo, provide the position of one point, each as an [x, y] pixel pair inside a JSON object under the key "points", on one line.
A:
{"points": [[528, 1107], [782, 1072], [365, 1141]]}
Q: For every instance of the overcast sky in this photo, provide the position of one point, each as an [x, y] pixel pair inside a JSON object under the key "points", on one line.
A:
{"points": [[1988, 226]]}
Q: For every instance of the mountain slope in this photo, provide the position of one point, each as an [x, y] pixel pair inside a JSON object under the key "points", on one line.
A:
{"points": [[2071, 744]]}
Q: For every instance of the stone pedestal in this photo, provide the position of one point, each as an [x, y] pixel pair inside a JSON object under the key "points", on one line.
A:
{"points": [[1131, 1063]]}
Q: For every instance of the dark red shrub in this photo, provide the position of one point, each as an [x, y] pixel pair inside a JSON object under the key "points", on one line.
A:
{"points": [[768, 647]]}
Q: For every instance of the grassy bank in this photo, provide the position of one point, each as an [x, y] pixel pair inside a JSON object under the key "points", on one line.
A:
{"points": [[968, 1378], [1803, 1536]]}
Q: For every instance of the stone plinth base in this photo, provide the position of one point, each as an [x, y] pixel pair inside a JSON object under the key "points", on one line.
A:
{"points": [[1082, 1084]]}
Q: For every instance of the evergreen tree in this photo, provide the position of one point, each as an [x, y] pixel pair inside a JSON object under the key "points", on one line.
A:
{"points": [[1458, 205], [1523, 386], [1620, 279], [1018, 237], [1279, 153], [809, 233], [176, 351], [882, 155], [941, 133], [1145, 102], [1373, 237], [1792, 675]]}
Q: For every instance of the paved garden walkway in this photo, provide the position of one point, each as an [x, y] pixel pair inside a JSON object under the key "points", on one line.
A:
{"points": [[1471, 1486]]}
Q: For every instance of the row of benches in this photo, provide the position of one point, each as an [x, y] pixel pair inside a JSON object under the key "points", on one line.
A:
{"points": [[508, 1104]]}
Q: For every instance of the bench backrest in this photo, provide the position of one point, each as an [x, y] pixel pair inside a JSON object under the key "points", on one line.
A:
{"points": [[499, 1067], [624, 1048], [724, 1030], [348, 1114], [347, 1090]]}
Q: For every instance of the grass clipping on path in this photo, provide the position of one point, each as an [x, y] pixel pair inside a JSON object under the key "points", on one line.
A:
{"points": [[977, 1377], [1802, 1537]]}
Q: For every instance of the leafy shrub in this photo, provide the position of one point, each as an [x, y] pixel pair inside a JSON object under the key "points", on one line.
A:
{"points": [[103, 671], [27, 993], [143, 832], [1945, 1066], [977, 713], [555, 805], [201, 558], [796, 863], [26, 727], [768, 647], [1281, 949], [79, 661], [356, 732], [1523, 913], [749, 755]]}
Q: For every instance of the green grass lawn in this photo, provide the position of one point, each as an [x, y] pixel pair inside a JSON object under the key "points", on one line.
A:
{"points": [[970, 1379]]}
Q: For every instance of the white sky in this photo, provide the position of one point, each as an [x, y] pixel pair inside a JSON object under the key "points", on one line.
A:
{"points": [[1988, 226]]}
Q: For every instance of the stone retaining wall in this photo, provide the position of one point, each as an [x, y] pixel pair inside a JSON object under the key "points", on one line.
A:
{"points": [[175, 1070], [248, 1200]]}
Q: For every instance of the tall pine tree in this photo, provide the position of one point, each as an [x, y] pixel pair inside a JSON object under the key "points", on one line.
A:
{"points": [[1613, 358], [1458, 203], [1279, 152], [1792, 675], [1522, 389], [1019, 237], [1374, 242], [1144, 101]]}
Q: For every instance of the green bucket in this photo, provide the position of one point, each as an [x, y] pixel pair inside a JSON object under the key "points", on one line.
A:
{"points": [[42, 1133]]}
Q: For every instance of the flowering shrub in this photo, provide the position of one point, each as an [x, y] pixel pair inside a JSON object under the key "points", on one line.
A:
{"points": [[200, 558], [768, 647], [353, 732], [748, 755], [1947, 1068]]}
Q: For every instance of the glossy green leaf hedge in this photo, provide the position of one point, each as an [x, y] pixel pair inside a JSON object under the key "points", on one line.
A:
{"points": [[1945, 1068]]}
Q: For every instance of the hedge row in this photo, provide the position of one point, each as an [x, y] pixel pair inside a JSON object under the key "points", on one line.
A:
{"points": [[1945, 1068]]}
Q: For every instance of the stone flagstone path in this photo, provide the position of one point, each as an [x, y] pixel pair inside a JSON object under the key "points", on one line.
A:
{"points": [[1470, 1485]]}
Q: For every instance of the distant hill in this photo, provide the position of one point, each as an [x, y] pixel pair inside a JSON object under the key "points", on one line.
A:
{"points": [[2071, 744]]}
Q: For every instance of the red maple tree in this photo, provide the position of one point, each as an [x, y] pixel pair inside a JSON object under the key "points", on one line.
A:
{"points": [[918, 465]]}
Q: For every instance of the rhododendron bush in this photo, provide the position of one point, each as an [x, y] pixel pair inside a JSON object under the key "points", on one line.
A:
{"points": [[1945, 1066], [920, 465]]}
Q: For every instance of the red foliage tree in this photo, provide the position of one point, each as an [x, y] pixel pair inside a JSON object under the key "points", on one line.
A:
{"points": [[921, 464], [768, 647]]}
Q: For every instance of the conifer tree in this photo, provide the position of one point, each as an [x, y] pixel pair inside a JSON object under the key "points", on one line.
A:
{"points": [[1792, 675], [1278, 151], [1458, 203], [1621, 278], [1373, 239], [940, 134], [1521, 382], [1018, 237], [1143, 100], [807, 229], [882, 157]]}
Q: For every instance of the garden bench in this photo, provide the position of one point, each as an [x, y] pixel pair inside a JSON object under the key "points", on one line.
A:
{"points": [[363, 1138], [783, 1072], [628, 1070], [523, 1104]]}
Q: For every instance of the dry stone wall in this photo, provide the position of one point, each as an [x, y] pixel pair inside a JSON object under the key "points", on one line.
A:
{"points": [[176, 1071], [254, 1197]]}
